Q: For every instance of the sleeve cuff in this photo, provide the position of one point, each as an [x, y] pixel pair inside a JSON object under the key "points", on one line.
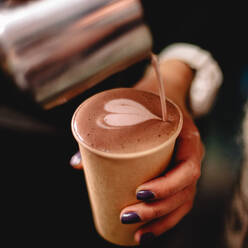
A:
{"points": [[208, 77]]}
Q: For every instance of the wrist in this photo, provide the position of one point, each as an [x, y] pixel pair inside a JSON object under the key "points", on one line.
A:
{"points": [[177, 78]]}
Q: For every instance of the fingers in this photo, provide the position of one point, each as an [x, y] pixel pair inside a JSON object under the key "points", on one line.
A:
{"points": [[76, 161], [173, 192], [183, 175], [163, 224], [146, 211], [187, 168]]}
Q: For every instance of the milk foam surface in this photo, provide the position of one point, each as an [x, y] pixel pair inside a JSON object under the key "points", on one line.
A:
{"points": [[124, 121]]}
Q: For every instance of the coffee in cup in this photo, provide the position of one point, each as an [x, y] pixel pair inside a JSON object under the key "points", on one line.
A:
{"points": [[123, 143]]}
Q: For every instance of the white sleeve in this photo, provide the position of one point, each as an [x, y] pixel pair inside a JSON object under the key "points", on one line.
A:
{"points": [[208, 77]]}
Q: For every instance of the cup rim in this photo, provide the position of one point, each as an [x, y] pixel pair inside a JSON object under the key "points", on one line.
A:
{"points": [[131, 154]]}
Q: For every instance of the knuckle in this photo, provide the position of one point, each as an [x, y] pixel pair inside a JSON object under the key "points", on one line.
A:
{"points": [[155, 213], [171, 223], [196, 171], [175, 219], [189, 206], [188, 193], [170, 191]]}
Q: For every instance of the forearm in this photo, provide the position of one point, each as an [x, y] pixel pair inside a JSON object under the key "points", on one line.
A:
{"points": [[177, 77]]}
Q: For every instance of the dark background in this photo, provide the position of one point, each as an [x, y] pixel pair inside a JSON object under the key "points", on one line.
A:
{"points": [[45, 201]]}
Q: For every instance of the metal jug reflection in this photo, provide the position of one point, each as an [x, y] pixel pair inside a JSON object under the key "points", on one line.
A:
{"points": [[57, 49]]}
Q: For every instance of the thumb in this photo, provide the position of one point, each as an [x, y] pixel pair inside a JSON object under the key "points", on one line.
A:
{"points": [[76, 160]]}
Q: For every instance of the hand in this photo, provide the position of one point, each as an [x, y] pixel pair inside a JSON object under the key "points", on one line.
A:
{"points": [[167, 199]]}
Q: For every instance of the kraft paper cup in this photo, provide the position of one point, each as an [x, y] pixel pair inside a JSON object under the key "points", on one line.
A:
{"points": [[112, 180]]}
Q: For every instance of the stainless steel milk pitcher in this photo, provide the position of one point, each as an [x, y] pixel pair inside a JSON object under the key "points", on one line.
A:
{"points": [[56, 49]]}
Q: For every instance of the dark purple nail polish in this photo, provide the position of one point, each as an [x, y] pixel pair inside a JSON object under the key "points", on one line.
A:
{"points": [[147, 238], [130, 218], [145, 195]]}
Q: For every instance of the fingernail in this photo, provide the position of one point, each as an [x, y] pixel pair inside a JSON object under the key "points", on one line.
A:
{"points": [[75, 159], [145, 195], [147, 238], [130, 218]]}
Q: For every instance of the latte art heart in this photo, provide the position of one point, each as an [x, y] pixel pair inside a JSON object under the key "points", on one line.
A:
{"points": [[126, 112]]}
